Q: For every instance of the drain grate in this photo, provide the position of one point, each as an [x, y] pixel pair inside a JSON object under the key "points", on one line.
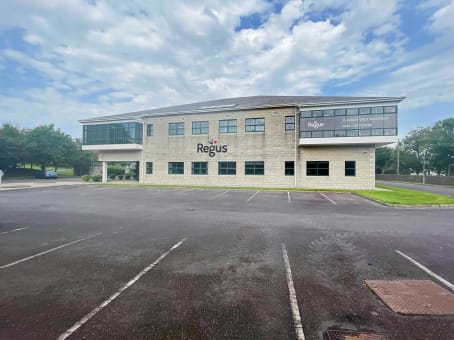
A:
{"points": [[414, 296], [335, 334]]}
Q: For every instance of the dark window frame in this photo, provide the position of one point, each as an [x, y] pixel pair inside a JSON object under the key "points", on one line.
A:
{"points": [[254, 168], [290, 126], [317, 168], [199, 168], [149, 168], [252, 125], [229, 126], [150, 130], [227, 168], [175, 168], [201, 127], [289, 168], [176, 129], [350, 168]]}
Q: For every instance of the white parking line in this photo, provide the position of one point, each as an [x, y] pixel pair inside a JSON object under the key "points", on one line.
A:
{"points": [[329, 199], [288, 196], [87, 317], [292, 294], [427, 270], [218, 195], [12, 231], [252, 196], [48, 251]]}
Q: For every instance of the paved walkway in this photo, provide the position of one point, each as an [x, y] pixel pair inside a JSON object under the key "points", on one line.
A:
{"points": [[436, 189], [18, 184]]}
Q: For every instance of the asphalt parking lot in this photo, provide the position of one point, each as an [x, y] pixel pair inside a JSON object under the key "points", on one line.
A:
{"points": [[92, 262]]}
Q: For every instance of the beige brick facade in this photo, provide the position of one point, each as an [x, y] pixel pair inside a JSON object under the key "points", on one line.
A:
{"points": [[274, 147]]}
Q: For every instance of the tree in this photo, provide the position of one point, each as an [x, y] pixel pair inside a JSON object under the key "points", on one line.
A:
{"points": [[442, 145], [81, 160], [11, 146], [417, 143], [384, 160]]}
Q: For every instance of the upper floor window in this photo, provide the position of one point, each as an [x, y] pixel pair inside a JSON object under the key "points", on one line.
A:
{"points": [[289, 123], [227, 126], [113, 133], [200, 128], [149, 130], [176, 129], [255, 124]]}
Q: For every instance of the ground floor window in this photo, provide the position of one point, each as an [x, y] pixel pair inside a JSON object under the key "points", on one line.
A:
{"points": [[289, 168], [200, 168], [317, 168], [149, 169], [227, 168], [176, 168], [254, 168], [350, 168]]}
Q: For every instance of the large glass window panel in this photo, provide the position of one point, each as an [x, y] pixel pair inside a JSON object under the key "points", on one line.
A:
{"points": [[339, 112], [377, 109], [364, 111], [176, 168], [317, 113], [306, 114], [317, 168], [114, 133], [390, 109]]}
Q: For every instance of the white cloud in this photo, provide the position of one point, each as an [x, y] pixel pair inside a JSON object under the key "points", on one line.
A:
{"points": [[135, 55]]}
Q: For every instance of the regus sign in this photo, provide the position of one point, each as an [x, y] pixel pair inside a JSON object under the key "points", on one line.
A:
{"points": [[212, 148]]}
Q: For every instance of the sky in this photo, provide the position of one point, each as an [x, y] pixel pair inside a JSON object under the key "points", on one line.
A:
{"points": [[65, 60]]}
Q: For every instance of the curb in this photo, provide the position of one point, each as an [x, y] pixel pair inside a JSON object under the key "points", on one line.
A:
{"points": [[406, 206]]}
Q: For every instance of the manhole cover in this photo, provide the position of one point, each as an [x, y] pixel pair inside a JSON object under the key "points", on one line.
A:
{"points": [[414, 296], [334, 334]]}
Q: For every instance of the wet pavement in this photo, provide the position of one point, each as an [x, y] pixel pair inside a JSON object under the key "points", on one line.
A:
{"points": [[69, 249]]}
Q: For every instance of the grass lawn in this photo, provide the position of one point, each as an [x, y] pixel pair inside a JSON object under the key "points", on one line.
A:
{"points": [[399, 196]]}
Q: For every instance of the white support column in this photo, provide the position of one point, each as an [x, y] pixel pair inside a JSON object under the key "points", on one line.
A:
{"points": [[104, 171]]}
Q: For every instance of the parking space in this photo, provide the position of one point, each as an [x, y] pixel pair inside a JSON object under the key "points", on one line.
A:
{"points": [[191, 263]]}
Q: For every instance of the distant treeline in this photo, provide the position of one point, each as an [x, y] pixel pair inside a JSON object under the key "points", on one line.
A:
{"points": [[43, 145], [433, 145]]}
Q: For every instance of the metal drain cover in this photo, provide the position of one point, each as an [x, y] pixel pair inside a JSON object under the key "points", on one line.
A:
{"points": [[413, 296], [334, 334]]}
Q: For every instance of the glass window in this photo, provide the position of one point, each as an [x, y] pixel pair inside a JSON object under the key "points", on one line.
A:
{"points": [[328, 113], [317, 134], [149, 130], [377, 132], [305, 134], [352, 112], [255, 124], [339, 112], [227, 126], [289, 123], [290, 168], [328, 133], [350, 168], [340, 133], [389, 132], [200, 128], [200, 168], [176, 168], [317, 113], [390, 109], [306, 114], [176, 129], [149, 169], [226, 168], [364, 132], [377, 109], [254, 168], [114, 133], [352, 133], [317, 168], [364, 111]]}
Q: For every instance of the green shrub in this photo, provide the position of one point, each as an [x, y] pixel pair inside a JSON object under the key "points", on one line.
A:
{"points": [[115, 169], [96, 178], [85, 178], [120, 177], [127, 176], [112, 177]]}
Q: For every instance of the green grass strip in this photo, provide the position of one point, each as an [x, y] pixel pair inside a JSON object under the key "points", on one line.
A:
{"points": [[400, 196]]}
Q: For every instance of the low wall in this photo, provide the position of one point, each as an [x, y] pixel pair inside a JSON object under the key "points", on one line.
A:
{"points": [[437, 180]]}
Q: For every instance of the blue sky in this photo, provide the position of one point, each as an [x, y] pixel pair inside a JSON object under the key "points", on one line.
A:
{"points": [[64, 60]]}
